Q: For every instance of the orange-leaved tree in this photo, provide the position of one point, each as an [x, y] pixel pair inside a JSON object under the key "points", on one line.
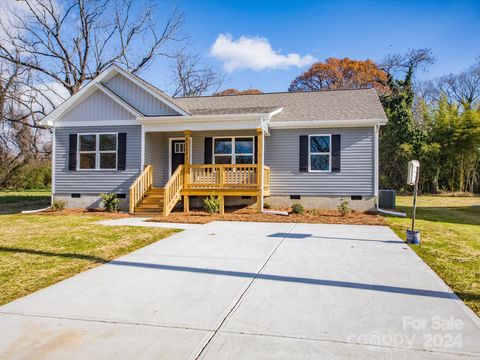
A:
{"points": [[343, 73], [232, 91]]}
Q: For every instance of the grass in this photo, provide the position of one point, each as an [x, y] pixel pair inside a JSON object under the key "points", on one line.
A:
{"points": [[39, 250], [12, 202], [450, 240]]}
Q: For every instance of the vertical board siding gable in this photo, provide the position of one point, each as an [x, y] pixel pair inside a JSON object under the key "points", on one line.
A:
{"points": [[98, 107], [140, 99]]}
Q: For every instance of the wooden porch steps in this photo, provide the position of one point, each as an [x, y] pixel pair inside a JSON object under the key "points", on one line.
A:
{"points": [[151, 204]]}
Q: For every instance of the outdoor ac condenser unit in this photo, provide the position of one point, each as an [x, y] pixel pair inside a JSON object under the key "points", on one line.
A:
{"points": [[386, 199]]}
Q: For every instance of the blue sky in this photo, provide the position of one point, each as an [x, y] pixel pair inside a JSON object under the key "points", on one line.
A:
{"points": [[322, 29]]}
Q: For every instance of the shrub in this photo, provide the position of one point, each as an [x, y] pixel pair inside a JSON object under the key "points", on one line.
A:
{"points": [[211, 204], [298, 208], [314, 212], [343, 207], [267, 205], [110, 202], [58, 205]]}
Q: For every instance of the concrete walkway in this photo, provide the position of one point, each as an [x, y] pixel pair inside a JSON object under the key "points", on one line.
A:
{"points": [[230, 290], [139, 221]]}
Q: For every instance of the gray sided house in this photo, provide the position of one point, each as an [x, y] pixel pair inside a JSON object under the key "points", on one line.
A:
{"points": [[120, 134]]}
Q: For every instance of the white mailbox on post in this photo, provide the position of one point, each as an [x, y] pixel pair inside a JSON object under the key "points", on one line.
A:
{"points": [[413, 236], [413, 170]]}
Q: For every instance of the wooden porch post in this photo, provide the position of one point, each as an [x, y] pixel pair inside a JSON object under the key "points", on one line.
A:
{"points": [[186, 167], [260, 170], [221, 200]]}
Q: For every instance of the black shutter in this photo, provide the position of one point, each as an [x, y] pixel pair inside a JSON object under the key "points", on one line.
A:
{"points": [[208, 151], [122, 151], [303, 153], [72, 152], [336, 153], [255, 155]]}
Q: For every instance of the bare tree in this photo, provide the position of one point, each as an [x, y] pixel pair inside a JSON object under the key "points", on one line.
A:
{"points": [[21, 142], [462, 88], [191, 77], [50, 49], [72, 42], [405, 65]]}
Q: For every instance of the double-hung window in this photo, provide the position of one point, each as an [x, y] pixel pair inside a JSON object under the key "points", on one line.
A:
{"points": [[97, 151], [319, 156], [233, 150]]}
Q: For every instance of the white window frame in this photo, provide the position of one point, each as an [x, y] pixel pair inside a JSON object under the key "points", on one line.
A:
{"points": [[181, 148], [233, 154], [97, 151], [329, 153]]}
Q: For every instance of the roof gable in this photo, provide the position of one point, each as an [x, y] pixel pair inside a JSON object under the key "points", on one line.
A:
{"points": [[149, 100], [138, 97], [97, 107]]}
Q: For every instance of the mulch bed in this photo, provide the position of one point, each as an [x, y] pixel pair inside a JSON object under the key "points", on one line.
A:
{"points": [[250, 214], [85, 212]]}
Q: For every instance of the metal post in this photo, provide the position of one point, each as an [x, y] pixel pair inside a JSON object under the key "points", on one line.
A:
{"points": [[415, 189]]}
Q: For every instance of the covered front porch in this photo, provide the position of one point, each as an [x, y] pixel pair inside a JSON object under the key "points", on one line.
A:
{"points": [[179, 165]]}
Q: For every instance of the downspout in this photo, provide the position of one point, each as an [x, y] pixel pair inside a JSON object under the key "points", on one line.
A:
{"points": [[263, 165]]}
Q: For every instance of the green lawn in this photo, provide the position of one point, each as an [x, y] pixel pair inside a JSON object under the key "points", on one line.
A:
{"points": [[13, 202], [450, 235], [39, 250]]}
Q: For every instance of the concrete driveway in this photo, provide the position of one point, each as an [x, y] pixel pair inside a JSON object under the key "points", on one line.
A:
{"points": [[249, 291]]}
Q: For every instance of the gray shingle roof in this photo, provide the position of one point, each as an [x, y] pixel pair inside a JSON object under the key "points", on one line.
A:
{"points": [[240, 110], [315, 105]]}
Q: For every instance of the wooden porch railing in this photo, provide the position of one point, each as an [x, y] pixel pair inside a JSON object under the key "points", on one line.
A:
{"points": [[172, 191], [140, 187], [266, 179], [222, 176]]}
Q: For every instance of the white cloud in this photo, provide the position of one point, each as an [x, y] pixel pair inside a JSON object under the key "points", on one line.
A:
{"points": [[254, 53]]}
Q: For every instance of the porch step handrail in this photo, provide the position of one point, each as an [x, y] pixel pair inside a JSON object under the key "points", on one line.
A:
{"points": [[172, 191], [140, 187]]}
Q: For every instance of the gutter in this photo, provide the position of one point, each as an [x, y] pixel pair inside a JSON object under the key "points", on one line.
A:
{"points": [[293, 124]]}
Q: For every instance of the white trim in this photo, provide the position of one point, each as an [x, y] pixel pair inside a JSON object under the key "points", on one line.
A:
{"points": [[97, 151], [201, 118], [170, 139], [96, 123], [317, 153], [118, 99], [53, 163], [262, 180], [376, 162], [233, 154], [202, 126], [142, 149], [325, 123]]}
